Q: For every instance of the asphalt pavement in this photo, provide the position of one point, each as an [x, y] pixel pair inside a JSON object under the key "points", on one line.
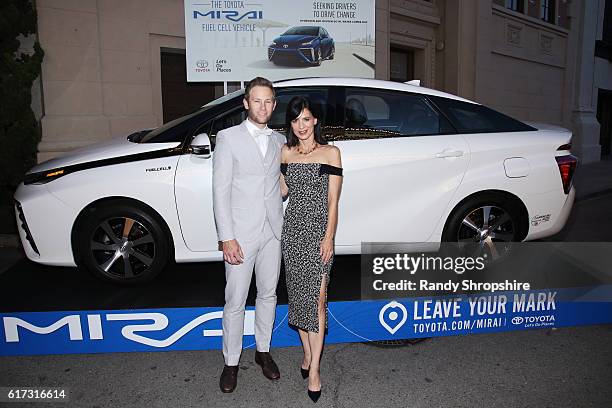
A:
{"points": [[569, 367]]}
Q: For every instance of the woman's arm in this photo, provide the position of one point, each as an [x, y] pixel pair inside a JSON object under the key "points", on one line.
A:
{"points": [[333, 195], [283, 184]]}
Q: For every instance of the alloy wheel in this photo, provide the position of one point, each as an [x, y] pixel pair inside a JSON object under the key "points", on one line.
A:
{"points": [[487, 231], [122, 247]]}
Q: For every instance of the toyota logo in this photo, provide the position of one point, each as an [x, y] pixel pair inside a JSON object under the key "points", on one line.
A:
{"points": [[285, 46], [202, 63], [517, 320]]}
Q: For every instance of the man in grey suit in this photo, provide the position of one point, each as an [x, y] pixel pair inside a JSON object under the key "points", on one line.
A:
{"points": [[248, 211]]}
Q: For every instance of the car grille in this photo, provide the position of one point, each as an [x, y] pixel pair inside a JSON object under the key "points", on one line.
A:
{"points": [[24, 226], [270, 52]]}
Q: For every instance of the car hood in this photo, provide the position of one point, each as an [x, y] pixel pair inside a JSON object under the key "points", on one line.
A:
{"points": [[294, 38], [116, 147]]}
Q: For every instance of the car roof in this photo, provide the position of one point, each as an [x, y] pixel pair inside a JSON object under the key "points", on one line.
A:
{"points": [[367, 83]]}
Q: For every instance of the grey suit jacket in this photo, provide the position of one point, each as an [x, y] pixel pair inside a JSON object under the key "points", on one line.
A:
{"points": [[246, 186]]}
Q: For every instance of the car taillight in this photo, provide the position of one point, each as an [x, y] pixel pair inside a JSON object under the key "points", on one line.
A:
{"points": [[567, 167]]}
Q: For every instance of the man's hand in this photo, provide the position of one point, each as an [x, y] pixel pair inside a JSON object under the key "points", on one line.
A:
{"points": [[232, 252]]}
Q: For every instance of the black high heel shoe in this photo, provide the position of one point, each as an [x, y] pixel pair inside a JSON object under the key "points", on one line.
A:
{"points": [[304, 372], [314, 395]]}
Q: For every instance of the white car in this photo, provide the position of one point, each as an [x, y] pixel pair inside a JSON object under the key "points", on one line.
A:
{"points": [[419, 166]]}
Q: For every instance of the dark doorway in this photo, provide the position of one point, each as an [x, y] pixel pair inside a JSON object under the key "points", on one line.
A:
{"points": [[402, 64], [180, 97], [604, 117]]}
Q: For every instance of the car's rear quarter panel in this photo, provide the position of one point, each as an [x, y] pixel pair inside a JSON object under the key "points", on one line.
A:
{"points": [[541, 190]]}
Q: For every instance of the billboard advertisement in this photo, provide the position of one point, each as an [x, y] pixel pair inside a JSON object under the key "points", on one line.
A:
{"points": [[237, 40]]}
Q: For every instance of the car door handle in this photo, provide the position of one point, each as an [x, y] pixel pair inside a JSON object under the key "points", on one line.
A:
{"points": [[449, 153]]}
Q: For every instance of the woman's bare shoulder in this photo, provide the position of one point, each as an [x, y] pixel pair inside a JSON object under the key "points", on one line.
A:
{"points": [[331, 155]]}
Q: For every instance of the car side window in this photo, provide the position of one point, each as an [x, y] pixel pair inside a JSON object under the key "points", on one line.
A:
{"points": [[473, 118], [317, 97], [374, 113]]}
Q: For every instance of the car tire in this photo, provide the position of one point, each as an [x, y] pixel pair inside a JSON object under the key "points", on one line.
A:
{"points": [[122, 242], [319, 59], [332, 53], [493, 237]]}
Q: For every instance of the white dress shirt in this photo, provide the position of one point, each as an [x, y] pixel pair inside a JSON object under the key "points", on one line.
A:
{"points": [[260, 136]]}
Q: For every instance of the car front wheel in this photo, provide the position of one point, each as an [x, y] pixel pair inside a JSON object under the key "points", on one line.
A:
{"points": [[319, 57], [122, 243]]}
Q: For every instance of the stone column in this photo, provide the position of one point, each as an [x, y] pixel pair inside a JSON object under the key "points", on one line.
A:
{"points": [[461, 47], [585, 142], [382, 28]]}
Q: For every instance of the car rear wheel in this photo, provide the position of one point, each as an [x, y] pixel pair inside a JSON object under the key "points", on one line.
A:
{"points": [[485, 226], [122, 243]]}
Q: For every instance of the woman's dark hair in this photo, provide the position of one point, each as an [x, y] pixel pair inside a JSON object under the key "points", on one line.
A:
{"points": [[294, 109]]}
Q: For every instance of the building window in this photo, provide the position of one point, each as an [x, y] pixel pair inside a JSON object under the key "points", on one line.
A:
{"points": [[551, 11], [603, 47], [402, 65], [547, 11], [516, 5]]}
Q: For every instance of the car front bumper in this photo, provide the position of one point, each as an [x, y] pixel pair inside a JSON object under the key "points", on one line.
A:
{"points": [[301, 54], [45, 225]]}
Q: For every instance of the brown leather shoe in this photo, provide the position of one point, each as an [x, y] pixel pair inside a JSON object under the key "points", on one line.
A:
{"points": [[229, 378], [268, 366]]}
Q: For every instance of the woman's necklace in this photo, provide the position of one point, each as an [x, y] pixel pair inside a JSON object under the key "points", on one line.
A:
{"points": [[307, 151]]}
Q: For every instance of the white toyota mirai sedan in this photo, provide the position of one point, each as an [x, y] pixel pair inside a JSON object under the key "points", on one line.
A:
{"points": [[420, 165]]}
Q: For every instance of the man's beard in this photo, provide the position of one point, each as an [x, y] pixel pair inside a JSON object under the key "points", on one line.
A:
{"points": [[258, 121]]}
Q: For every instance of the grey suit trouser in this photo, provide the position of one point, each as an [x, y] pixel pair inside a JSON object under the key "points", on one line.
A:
{"points": [[263, 254]]}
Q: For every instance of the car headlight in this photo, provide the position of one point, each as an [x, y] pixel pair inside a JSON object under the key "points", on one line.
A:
{"points": [[307, 43], [273, 43]]}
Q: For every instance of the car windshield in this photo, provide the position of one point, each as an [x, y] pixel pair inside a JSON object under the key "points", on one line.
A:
{"points": [[222, 99], [305, 30], [152, 135], [156, 132]]}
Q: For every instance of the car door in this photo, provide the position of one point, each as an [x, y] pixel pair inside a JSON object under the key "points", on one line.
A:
{"points": [[193, 182], [403, 162]]}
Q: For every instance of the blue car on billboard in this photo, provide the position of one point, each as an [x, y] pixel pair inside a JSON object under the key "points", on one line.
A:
{"points": [[306, 44]]}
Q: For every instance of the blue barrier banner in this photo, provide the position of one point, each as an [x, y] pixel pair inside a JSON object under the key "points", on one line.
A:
{"points": [[104, 331]]}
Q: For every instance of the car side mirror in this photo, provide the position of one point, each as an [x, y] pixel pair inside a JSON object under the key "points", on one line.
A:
{"points": [[200, 146]]}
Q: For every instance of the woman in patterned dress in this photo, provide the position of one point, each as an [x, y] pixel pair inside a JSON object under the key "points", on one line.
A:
{"points": [[311, 178]]}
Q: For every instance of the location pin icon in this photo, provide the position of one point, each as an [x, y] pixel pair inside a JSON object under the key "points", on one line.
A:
{"points": [[396, 321]]}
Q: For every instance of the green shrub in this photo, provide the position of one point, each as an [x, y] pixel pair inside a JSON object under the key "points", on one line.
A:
{"points": [[19, 129]]}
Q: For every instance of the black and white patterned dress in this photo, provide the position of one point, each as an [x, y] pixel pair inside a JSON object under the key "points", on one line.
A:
{"points": [[303, 229]]}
